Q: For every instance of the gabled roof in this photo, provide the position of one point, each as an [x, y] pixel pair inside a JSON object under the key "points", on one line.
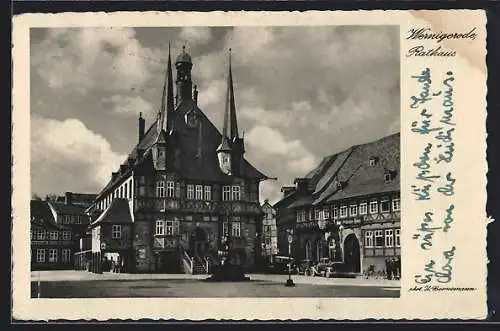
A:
{"points": [[118, 212], [205, 167], [41, 215], [352, 171], [72, 209]]}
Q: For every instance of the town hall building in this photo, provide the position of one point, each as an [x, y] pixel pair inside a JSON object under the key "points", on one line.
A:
{"points": [[184, 193]]}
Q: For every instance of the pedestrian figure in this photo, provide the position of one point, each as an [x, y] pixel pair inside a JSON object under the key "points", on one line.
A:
{"points": [[398, 266], [118, 264], [388, 268], [394, 268], [112, 265]]}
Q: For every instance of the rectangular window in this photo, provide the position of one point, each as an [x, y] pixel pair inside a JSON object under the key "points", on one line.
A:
{"points": [[40, 235], [236, 229], [54, 235], [343, 211], [363, 208], [53, 255], [208, 193], [353, 210], [172, 228], [190, 192], [225, 229], [396, 237], [160, 227], [301, 216], [396, 205], [40, 255], [170, 189], [373, 207], [142, 191], [32, 234], [311, 214], [142, 179], [116, 231], [368, 239], [199, 192], [160, 189], [379, 238], [385, 206], [389, 238], [226, 193], [316, 214], [66, 255], [66, 235], [79, 219], [236, 196], [326, 213], [335, 212]]}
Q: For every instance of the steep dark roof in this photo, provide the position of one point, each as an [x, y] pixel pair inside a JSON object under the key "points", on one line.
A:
{"points": [[352, 170], [364, 179], [62, 208], [205, 167], [118, 212], [42, 215]]}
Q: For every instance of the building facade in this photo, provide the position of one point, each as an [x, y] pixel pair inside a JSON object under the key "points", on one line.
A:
{"points": [[348, 208], [269, 232], [184, 191], [56, 227]]}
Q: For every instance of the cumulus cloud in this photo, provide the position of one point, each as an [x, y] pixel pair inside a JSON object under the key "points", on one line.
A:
{"points": [[196, 35], [301, 92], [292, 153], [128, 105], [67, 156], [96, 58]]}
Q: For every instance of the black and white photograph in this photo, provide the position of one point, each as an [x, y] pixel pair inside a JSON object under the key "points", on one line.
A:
{"points": [[225, 161]]}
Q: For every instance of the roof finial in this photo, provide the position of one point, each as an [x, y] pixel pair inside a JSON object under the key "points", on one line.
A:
{"points": [[140, 114]]}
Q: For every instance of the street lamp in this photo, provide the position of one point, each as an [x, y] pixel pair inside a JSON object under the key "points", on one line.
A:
{"points": [[322, 227], [289, 281]]}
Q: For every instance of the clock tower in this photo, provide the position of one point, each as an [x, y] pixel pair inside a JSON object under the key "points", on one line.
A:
{"points": [[183, 65]]}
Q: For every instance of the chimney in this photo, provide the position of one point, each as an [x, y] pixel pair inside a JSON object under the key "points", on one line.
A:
{"points": [[142, 126], [195, 94], [114, 175], [68, 198], [123, 168]]}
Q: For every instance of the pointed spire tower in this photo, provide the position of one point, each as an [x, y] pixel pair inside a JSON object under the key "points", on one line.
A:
{"points": [[164, 121], [230, 151]]}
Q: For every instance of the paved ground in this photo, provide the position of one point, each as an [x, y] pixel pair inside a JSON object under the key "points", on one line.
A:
{"points": [[80, 284]]}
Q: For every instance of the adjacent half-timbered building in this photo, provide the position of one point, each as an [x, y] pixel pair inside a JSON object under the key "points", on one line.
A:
{"points": [[185, 189], [348, 208]]}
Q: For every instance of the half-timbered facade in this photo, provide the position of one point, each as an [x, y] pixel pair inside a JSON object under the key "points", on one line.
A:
{"points": [[184, 190], [348, 208]]}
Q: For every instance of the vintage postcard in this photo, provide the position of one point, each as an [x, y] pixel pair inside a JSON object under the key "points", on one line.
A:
{"points": [[249, 165]]}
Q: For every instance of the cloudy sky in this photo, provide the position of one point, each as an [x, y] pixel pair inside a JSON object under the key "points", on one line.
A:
{"points": [[301, 93]]}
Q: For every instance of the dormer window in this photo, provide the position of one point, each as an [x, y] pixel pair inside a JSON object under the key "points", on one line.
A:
{"points": [[373, 161], [389, 175]]}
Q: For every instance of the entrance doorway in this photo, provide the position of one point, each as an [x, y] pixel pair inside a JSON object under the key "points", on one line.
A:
{"points": [[351, 253], [198, 241]]}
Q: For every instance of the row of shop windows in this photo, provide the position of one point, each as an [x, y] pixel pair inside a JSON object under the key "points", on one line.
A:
{"points": [[374, 207], [49, 235], [171, 189], [72, 219], [53, 257], [382, 238], [171, 228]]}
